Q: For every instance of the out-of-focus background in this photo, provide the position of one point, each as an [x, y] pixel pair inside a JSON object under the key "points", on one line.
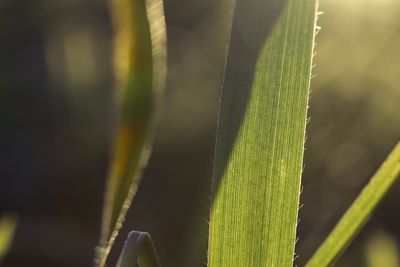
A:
{"points": [[56, 116]]}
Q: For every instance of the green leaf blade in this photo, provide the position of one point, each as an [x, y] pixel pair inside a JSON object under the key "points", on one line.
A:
{"points": [[260, 140], [359, 212]]}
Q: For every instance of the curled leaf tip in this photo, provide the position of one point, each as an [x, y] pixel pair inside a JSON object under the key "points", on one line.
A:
{"points": [[138, 251]]}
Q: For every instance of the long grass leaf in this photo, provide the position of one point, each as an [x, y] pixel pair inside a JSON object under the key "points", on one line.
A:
{"points": [[140, 68], [138, 251], [261, 131], [359, 212]]}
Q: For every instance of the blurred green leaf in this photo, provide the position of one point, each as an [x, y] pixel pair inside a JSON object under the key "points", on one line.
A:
{"points": [[359, 212], [8, 224], [261, 130], [138, 251], [140, 69], [382, 250]]}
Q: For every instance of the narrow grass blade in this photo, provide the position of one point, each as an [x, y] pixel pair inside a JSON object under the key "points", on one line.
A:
{"points": [[359, 212], [261, 130], [8, 224], [140, 69], [139, 251]]}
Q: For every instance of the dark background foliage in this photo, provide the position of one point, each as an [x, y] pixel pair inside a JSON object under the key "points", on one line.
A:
{"points": [[56, 117]]}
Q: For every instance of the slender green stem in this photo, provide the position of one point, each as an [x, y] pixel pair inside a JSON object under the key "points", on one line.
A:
{"points": [[359, 212]]}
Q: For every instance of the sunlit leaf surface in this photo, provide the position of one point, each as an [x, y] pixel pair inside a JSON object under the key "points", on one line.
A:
{"points": [[261, 130]]}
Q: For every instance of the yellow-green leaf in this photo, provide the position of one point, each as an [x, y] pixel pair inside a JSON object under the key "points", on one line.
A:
{"points": [[140, 69], [8, 224]]}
